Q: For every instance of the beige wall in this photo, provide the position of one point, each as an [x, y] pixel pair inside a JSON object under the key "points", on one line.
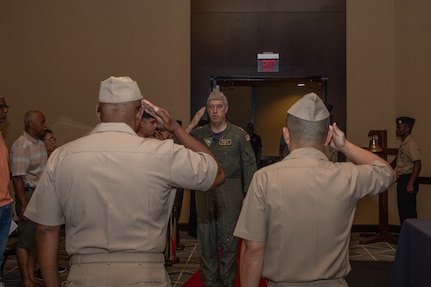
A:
{"points": [[54, 54], [412, 73], [387, 56]]}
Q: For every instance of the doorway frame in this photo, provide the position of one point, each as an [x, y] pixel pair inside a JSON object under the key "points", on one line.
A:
{"points": [[310, 82]]}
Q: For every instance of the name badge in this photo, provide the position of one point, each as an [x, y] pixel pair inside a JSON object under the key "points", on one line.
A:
{"points": [[225, 142]]}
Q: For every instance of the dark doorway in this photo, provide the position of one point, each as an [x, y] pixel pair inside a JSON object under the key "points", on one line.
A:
{"points": [[264, 101]]}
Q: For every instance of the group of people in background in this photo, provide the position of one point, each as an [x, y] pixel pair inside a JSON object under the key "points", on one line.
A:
{"points": [[27, 160], [114, 193]]}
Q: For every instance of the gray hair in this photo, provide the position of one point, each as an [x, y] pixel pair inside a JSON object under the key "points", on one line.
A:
{"points": [[302, 131]]}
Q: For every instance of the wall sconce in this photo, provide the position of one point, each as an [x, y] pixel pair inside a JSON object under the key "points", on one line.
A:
{"points": [[374, 144]]}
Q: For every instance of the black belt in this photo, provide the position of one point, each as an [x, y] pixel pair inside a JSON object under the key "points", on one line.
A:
{"points": [[407, 174], [29, 188]]}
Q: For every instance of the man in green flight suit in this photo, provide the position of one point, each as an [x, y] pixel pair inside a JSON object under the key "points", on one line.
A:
{"points": [[218, 210]]}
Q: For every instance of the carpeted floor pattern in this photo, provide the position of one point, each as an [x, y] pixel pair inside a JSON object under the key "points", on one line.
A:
{"points": [[370, 274], [371, 264]]}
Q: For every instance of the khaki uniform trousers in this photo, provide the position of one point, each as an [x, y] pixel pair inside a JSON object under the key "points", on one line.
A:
{"points": [[118, 269]]}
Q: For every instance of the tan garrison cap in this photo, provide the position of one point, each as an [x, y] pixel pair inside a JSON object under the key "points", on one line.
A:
{"points": [[119, 90], [310, 108], [216, 95]]}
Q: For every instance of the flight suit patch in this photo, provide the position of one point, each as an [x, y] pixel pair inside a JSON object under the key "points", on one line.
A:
{"points": [[225, 142], [208, 141]]}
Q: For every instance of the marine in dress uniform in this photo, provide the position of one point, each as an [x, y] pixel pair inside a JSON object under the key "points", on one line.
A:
{"points": [[297, 214], [408, 166], [218, 209]]}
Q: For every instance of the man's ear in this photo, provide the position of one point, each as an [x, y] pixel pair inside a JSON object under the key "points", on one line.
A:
{"points": [[98, 112], [30, 124], [286, 135], [138, 119]]}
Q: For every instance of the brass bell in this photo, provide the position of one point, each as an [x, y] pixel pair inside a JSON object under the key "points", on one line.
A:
{"points": [[374, 145]]}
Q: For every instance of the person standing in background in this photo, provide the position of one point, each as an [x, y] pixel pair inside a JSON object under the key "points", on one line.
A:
{"points": [[28, 159], [407, 165], [256, 143], [195, 122], [6, 209], [49, 141], [218, 209], [147, 126]]}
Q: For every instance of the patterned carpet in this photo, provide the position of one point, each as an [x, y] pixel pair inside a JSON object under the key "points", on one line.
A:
{"points": [[189, 258]]}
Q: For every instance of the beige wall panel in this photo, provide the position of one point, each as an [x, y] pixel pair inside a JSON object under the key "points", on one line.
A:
{"points": [[55, 53], [387, 67]]}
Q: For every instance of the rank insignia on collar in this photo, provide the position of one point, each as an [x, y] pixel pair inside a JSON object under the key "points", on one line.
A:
{"points": [[225, 142], [208, 141]]}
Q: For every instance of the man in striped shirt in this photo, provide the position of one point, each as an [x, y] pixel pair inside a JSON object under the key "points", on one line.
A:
{"points": [[28, 159]]}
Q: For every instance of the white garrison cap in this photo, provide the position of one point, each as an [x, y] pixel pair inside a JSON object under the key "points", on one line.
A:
{"points": [[119, 90], [310, 108], [216, 95]]}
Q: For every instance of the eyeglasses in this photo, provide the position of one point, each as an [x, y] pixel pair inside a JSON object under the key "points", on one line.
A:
{"points": [[3, 107], [50, 139]]}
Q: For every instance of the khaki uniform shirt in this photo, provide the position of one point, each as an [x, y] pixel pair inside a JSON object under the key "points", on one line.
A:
{"points": [[408, 153], [114, 190], [303, 208]]}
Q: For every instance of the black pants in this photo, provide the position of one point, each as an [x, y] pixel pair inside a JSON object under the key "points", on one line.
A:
{"points": [[178, 203], [406, 200], [192, 216]]}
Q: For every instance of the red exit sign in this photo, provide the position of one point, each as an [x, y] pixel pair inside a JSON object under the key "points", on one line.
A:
{"points": [[268, 62]]}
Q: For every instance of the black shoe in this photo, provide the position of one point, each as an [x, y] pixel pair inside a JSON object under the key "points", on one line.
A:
{"points": [[168, 262], [38, 275], [180, 246]]}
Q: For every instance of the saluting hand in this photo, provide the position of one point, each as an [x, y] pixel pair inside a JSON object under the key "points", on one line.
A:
{"points": [[338, 138], [195, 121], [164, 118]]}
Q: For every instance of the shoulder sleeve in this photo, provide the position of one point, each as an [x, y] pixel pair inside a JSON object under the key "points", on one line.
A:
{"points": [[373, 179], [413, 150], [44, 207], [251, 224], [192, 170]]}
